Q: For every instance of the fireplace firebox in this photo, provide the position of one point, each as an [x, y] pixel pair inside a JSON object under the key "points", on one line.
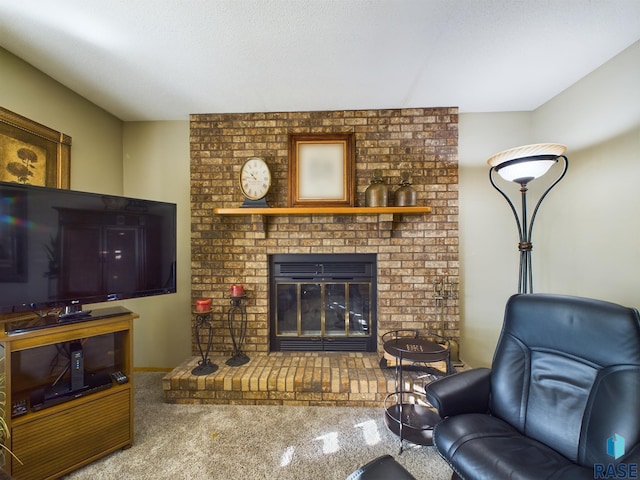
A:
{"points": [[323, 302]]}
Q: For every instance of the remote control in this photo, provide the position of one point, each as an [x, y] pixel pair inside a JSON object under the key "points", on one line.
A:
{"points": [[19, 408], [119, 377]]}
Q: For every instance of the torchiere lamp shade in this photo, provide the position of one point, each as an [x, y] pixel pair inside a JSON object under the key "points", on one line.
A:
{"points": [[524, 164]]}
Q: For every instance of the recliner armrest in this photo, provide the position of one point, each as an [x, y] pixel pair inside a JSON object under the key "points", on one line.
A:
{"points": [[464, 392]]}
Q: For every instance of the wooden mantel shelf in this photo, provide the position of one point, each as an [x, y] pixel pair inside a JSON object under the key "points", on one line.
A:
{"points": [[320, 210], [385, 214]]}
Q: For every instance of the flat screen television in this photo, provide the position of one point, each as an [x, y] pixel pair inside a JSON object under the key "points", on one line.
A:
{"points": [[60, 249]]}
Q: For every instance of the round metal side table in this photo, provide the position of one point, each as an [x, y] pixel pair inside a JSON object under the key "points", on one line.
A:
{"points": [[407, 413]]}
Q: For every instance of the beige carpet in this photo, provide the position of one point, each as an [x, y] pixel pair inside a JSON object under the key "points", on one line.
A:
{"points": [[254, 442]]}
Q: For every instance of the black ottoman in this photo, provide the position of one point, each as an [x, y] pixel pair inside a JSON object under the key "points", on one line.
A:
{"points": [[382, 468]]}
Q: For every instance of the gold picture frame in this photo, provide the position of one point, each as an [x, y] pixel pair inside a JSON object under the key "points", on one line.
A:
{"points": [[321, 170], [33, 154]]}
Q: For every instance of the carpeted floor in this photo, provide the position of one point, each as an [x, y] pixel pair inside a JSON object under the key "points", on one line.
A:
{"points": [[254, 442]]}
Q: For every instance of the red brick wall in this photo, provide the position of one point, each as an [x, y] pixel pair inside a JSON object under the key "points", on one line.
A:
{"points": [[420, 249]]}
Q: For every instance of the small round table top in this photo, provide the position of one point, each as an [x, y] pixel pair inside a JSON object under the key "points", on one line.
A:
{"points": [[415, 349]]}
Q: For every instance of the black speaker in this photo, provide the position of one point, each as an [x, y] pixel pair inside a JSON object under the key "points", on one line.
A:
{"points": [[77, 366]]}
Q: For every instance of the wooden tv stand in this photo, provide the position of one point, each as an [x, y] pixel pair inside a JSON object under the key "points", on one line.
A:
{"points": [[66, 428]]}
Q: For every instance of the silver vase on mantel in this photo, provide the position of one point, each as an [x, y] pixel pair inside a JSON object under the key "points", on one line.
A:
{"points": [[377, 194], [405, 196]]}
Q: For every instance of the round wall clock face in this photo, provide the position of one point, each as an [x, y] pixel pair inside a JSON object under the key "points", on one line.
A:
{"points": [[255, 178]]}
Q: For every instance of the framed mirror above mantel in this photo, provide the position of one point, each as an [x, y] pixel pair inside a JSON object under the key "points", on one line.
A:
{"points": [[386, 215]]}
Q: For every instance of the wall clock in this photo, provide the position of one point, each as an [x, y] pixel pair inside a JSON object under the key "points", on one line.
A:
{"points": [[255, 182]]}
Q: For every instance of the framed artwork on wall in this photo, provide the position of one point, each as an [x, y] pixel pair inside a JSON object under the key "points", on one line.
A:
{"points": [[33, 154], [321, 170]]}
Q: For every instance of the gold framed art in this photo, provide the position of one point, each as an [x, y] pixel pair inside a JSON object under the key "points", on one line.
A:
{"points": [[33, 154], [321, 170]]}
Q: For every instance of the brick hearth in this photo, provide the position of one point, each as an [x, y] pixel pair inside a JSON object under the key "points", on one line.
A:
{"points": [[290, 378], [285, 378]]}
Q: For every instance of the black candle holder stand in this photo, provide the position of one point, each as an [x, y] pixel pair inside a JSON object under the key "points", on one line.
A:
{"points": [[238, 330], [203, 321]]}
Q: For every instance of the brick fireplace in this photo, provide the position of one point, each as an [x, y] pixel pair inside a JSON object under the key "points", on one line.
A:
{"points": [[413, 251]]}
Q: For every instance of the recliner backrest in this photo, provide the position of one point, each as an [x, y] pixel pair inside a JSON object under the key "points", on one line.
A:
{"points": [[566, 372]]}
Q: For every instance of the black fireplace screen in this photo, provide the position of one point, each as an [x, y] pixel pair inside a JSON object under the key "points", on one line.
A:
{"points": [[323, 302]]}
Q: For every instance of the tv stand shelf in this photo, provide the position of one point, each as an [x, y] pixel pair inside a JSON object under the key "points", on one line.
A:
{"points": [[55, 427]]}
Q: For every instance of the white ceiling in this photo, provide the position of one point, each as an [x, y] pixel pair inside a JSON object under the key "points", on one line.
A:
{"points": [[165, 59]]}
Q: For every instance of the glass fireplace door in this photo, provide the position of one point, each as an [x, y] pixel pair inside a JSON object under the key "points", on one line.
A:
{"points": [[323, 310]]}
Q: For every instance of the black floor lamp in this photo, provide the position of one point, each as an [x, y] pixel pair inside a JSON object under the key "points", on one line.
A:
{"points": [[522, 165]]}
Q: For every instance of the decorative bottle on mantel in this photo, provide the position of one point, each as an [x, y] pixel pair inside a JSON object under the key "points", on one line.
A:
{"points": [[377, 194], [405, 196]]}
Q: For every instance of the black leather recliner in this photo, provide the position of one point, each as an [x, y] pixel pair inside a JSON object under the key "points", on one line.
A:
{"points": [[561, 401]]}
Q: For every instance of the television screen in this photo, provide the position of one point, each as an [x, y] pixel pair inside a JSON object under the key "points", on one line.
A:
{"points": [[63, 248]]}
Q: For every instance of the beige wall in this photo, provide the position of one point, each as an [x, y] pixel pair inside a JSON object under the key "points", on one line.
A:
{"points": [[96, 150], [488, 235], [156, 166], [585, 236], [585, 241]]}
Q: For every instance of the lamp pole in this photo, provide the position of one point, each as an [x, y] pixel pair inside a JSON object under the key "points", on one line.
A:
{"points": [[525, 227]]}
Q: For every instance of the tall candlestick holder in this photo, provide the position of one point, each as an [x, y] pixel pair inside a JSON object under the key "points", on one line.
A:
{"points": [[237, 320], [203, 322]]}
